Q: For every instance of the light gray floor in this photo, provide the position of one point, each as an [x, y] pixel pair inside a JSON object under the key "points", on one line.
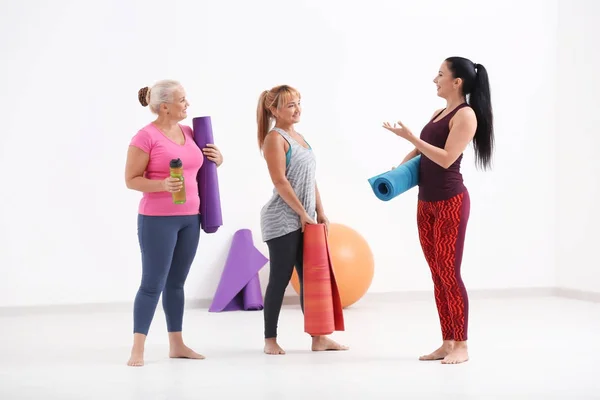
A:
{"points": [[521, 348]]}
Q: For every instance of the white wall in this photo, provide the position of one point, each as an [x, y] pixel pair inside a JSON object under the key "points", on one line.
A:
{"points": [[70, 75], [577, 131]]}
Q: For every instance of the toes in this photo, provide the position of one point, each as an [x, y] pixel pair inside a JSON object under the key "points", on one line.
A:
{"points": [[451, 360], [431, 357], [135, 363], [274, 352]]}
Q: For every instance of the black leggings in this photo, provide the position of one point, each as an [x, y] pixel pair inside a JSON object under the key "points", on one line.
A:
{"points": [[284, 252]]}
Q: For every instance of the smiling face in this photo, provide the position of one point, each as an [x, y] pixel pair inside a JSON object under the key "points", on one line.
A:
{"points": [[288, 110], [446, 84], [176, 109]]}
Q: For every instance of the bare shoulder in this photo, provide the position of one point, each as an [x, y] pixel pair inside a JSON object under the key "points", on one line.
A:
{"points": [[274, 135], [273, 138], [274, 142], [466, 113], [464, 121]]}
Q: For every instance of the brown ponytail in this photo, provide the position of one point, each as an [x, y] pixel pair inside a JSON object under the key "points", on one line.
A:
{"points": [[263, 118], [269, 100]]}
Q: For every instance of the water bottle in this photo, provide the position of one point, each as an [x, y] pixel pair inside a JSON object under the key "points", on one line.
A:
{"points": [[176, 169]]}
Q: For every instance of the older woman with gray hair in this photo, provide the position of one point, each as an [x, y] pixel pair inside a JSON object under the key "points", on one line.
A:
{"points": [[168, 233]]}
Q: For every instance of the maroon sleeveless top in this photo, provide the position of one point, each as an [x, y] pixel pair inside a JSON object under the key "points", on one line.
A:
{"points": [[435, 182]]}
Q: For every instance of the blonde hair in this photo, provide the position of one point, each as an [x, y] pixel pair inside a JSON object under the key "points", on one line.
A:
{"points": [[161, 92], [269, 99]]}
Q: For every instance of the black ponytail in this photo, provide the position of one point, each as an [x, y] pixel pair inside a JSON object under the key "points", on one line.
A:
{"points": [[476, 86]]}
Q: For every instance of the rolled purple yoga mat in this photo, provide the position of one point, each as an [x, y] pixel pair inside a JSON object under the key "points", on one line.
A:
{"points": [[239, 286], [208, 182], [253, 299]]}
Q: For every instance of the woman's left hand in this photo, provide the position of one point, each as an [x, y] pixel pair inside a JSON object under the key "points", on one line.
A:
{"points": [[399, 130], [213, 153], [322, 219]]}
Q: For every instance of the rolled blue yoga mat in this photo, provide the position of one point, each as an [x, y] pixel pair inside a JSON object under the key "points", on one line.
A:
{"points": [[393, 183]]}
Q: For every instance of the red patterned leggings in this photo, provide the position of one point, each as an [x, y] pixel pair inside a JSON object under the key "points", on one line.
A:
{"points": [[442, 226]]}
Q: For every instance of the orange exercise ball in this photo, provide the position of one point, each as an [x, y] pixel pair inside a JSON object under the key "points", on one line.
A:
{"points": [[352, 262]]}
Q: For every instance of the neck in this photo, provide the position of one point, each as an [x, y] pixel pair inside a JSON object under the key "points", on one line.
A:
{"points": [[285, 126], [165, 123], [454, 101]]}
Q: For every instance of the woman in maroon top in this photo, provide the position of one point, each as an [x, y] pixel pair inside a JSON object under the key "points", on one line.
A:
{"points": [[443, 200]]}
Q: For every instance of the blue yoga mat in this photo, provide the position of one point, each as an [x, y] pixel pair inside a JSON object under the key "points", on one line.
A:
{"points": [[393, 183]]}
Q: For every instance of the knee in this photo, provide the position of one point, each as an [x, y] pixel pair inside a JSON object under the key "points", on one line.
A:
{"points": [[150, 289], [171, 286], [276, 288]]}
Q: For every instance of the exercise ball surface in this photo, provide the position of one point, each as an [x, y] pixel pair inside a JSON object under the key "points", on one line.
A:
{"points": [[352, 261]]}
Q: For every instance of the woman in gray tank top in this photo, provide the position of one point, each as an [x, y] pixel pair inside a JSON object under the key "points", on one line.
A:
{"points": [[294, 203]]}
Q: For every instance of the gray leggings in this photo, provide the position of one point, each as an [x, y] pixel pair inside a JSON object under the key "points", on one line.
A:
{"points": [[168, 245], [285, 252]]}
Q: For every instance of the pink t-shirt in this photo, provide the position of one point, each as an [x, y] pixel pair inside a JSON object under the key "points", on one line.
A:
{"points": [[162, 150]]}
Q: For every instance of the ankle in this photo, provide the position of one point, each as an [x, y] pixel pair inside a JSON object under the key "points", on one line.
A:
{"points": [[176, 339], [137, 348], [271, 340], [460, 345], [139, 341]]}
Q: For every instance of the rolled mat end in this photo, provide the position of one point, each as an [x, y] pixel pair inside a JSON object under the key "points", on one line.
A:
{"points": [[391, 184]]}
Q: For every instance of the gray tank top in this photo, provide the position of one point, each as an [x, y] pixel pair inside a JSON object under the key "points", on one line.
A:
{"points": [[276, 217]]}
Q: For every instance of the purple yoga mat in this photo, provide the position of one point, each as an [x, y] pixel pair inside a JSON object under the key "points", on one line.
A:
{"points": [[252, 295], [239, 287], [208, 181], [248, 299]]}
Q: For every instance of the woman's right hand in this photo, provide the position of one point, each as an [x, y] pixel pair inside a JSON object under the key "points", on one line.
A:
{"points": [[172, 185], [306, 219]]}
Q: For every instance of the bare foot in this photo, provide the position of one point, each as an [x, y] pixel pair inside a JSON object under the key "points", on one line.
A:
{"points": [[177, 348], [136, 359], [182, 351], [272, 348], [439, 354], [323, 343], [458, 355], [137, 350]]}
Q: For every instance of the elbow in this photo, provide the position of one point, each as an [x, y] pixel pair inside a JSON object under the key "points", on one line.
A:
{"points": [[447, 162], [129, 183], [279, 182]]}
